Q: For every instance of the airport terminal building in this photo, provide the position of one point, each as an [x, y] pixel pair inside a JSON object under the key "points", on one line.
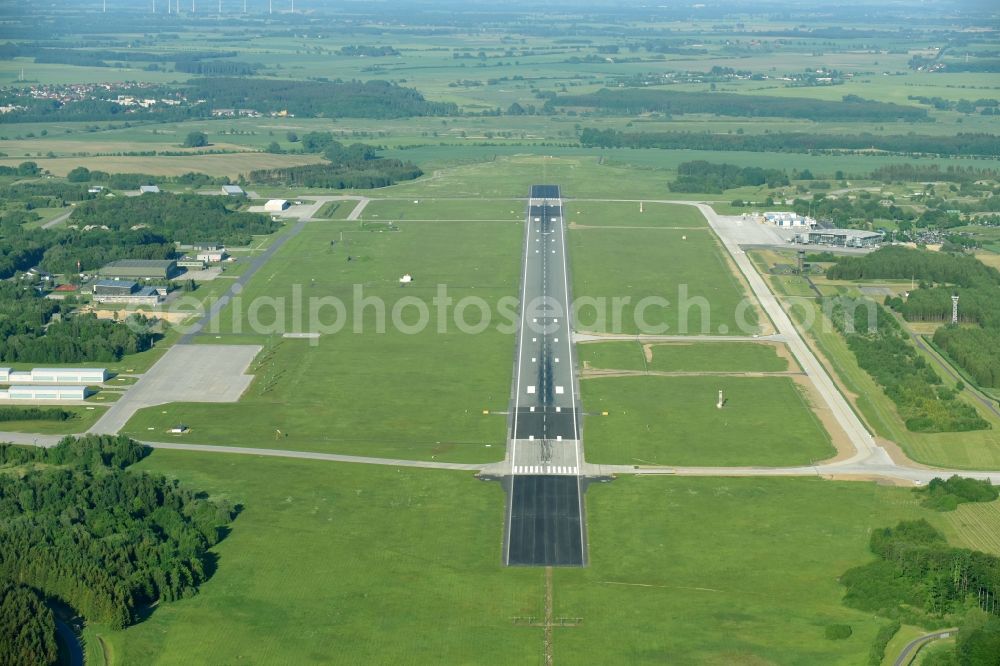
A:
{"points": [[840, 237]]}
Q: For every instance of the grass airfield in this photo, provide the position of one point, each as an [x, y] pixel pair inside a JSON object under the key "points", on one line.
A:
{"points": [[353, 563]]}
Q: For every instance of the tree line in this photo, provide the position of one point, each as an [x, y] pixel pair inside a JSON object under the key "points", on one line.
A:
{"points": [[946, 494], [355, 166], [77, 526], [29, 628], [702, 176], [931, 173], [631, 101], [961, 144], [34, 414], [185, 218], [925, 405], [328, 99], [917, 578], [975, 349], [897, 262]]}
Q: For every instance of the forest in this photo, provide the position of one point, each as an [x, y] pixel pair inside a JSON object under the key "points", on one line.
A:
{"points": [[702, 176], [633, 101], [327, 99], [919, 579], [74, 339], [185, 218], [29, 332], [962, 144], [77, 526], [138, 228], [355, 166], [881, 350], [947, 494], [897, 262], [942, 275], [34, 414]]}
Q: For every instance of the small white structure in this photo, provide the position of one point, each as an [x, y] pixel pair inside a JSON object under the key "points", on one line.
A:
{"points": [[233, 191], [95, 189], [721, 402], [406, 279], [54, 376], [149, 189], [276, 205], [44, 393], [210, 256], [788, 220]]}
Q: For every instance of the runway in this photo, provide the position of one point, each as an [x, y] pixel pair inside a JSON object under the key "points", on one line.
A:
{"points": [[545, 518]]}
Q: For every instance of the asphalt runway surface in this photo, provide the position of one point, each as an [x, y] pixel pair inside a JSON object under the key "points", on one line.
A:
{"points": [[545, 523], [546, 527]]}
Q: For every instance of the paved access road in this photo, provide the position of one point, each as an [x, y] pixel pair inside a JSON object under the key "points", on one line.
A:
{"points": [[909, 652], [545, 506]]}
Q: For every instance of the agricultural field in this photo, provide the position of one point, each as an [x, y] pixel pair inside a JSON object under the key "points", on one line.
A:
{"points": [[973, 525]]}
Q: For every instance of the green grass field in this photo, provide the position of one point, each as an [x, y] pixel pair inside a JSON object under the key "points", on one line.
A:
{"points": [[698, 571], [392, 394], [674, 421], [978, 449], [702, 294], [717, 357], [601, 214], [974, 525], [357, 564], [348, 564], [611, 356], [82, 419], [683, 357], [435, 210]]}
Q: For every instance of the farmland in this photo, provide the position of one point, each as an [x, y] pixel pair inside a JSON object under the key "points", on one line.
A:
{"points": [[391, 335]]}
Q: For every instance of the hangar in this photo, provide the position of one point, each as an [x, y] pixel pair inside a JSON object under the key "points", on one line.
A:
{"points": [[44, 393], [54, 376], [163, 269], [276, 205]]}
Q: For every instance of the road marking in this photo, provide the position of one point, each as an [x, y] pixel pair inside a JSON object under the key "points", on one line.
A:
{"points": [[531, 389]]}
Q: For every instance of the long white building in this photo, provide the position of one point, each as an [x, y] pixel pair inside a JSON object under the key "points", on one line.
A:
{"points": [[44, 393], [53, 376]]}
